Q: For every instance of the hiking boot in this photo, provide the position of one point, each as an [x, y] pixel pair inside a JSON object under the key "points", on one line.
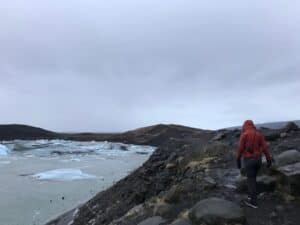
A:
{"points": [[251, 204]]}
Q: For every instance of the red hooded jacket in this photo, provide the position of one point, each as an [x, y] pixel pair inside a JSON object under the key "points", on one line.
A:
{"points": [[250, 137]]}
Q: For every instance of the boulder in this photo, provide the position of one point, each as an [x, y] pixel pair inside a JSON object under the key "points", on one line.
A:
{"points": [[156, 220], [264, 184], [283, 135], [271, 135], [290, 179], [209, 183], [170, 166], [291, 126], [287, 157], [188, 185], [136, 210], [213, 211], [173, 195], [181, 221], [162, 209]]}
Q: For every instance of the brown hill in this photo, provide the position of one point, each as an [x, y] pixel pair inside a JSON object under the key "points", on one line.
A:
{"points": [[16, 131]]}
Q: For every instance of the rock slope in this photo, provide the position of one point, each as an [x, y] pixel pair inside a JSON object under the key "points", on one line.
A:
{"points": [[192, 179]]}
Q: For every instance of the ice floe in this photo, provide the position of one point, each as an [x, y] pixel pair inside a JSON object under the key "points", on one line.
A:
{"points": [[65, 147], [4, 151], [63, 175], [71, 160]]}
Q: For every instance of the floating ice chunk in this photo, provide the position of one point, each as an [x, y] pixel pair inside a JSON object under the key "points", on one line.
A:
{"points": [[5, 162], [4, 150], [63, 175], [71, 160], [64, 147]]}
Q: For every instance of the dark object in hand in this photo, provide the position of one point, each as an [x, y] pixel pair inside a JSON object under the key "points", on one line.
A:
{"points": [[238, 162], [269, 163]]}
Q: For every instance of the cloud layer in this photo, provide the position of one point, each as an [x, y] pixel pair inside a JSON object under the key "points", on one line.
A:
{"points": [[117, 65]]}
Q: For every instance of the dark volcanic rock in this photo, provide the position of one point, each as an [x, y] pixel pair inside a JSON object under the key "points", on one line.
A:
{"points": [[174, 194], [271, 135], [181, 221], [264, 184], [287, 157], [217, 211], [291, 126], [219, 136], [156, 220], [291, 179]]}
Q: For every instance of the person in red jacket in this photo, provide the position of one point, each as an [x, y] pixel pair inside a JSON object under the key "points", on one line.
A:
{"points": [[251, 146]]}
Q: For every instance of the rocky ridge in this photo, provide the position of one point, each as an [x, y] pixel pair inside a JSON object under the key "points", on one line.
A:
{"points": [[192, 179]]}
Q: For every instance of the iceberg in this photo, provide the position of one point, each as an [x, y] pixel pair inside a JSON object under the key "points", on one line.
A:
{"points": [[46, 148], [63, 175], [4, 151]]}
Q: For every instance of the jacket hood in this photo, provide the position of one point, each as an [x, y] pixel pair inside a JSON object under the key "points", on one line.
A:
{"points": [[248, 125]]}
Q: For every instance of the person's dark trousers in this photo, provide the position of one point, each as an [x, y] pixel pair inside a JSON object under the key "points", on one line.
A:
{"points": [[252, 166]]}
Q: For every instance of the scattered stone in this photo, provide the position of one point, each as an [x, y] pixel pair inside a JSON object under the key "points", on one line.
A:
{"points": [[213, 211], [230, 186], [279, 208], [264, 184], [180, 159], [219, 137], [218, 150], [199, 165], [162, 209], [135, 210], [173, 195], [287, 157], [170, 166], [283, 134], [288, 198], [273, 215], [210, 183], [188, 185], [181, 221], [156, 220]]}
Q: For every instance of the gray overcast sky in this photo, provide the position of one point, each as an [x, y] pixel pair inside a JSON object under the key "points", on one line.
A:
{"points": [[83, 65]]}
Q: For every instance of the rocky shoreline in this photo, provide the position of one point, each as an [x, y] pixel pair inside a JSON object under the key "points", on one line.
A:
{"points": [[192, 179]]}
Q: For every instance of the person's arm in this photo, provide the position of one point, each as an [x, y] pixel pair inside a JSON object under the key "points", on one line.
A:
{"points": [[265, 149]]}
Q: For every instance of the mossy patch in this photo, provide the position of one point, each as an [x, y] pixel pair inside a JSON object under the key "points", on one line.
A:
{"points": [[200, 164]]}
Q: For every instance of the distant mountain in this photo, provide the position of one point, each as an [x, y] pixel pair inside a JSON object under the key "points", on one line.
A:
{"points": [[271, 125], [15, 131], [147, 135], [156, 134], [151, 135], [278, 125]]}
